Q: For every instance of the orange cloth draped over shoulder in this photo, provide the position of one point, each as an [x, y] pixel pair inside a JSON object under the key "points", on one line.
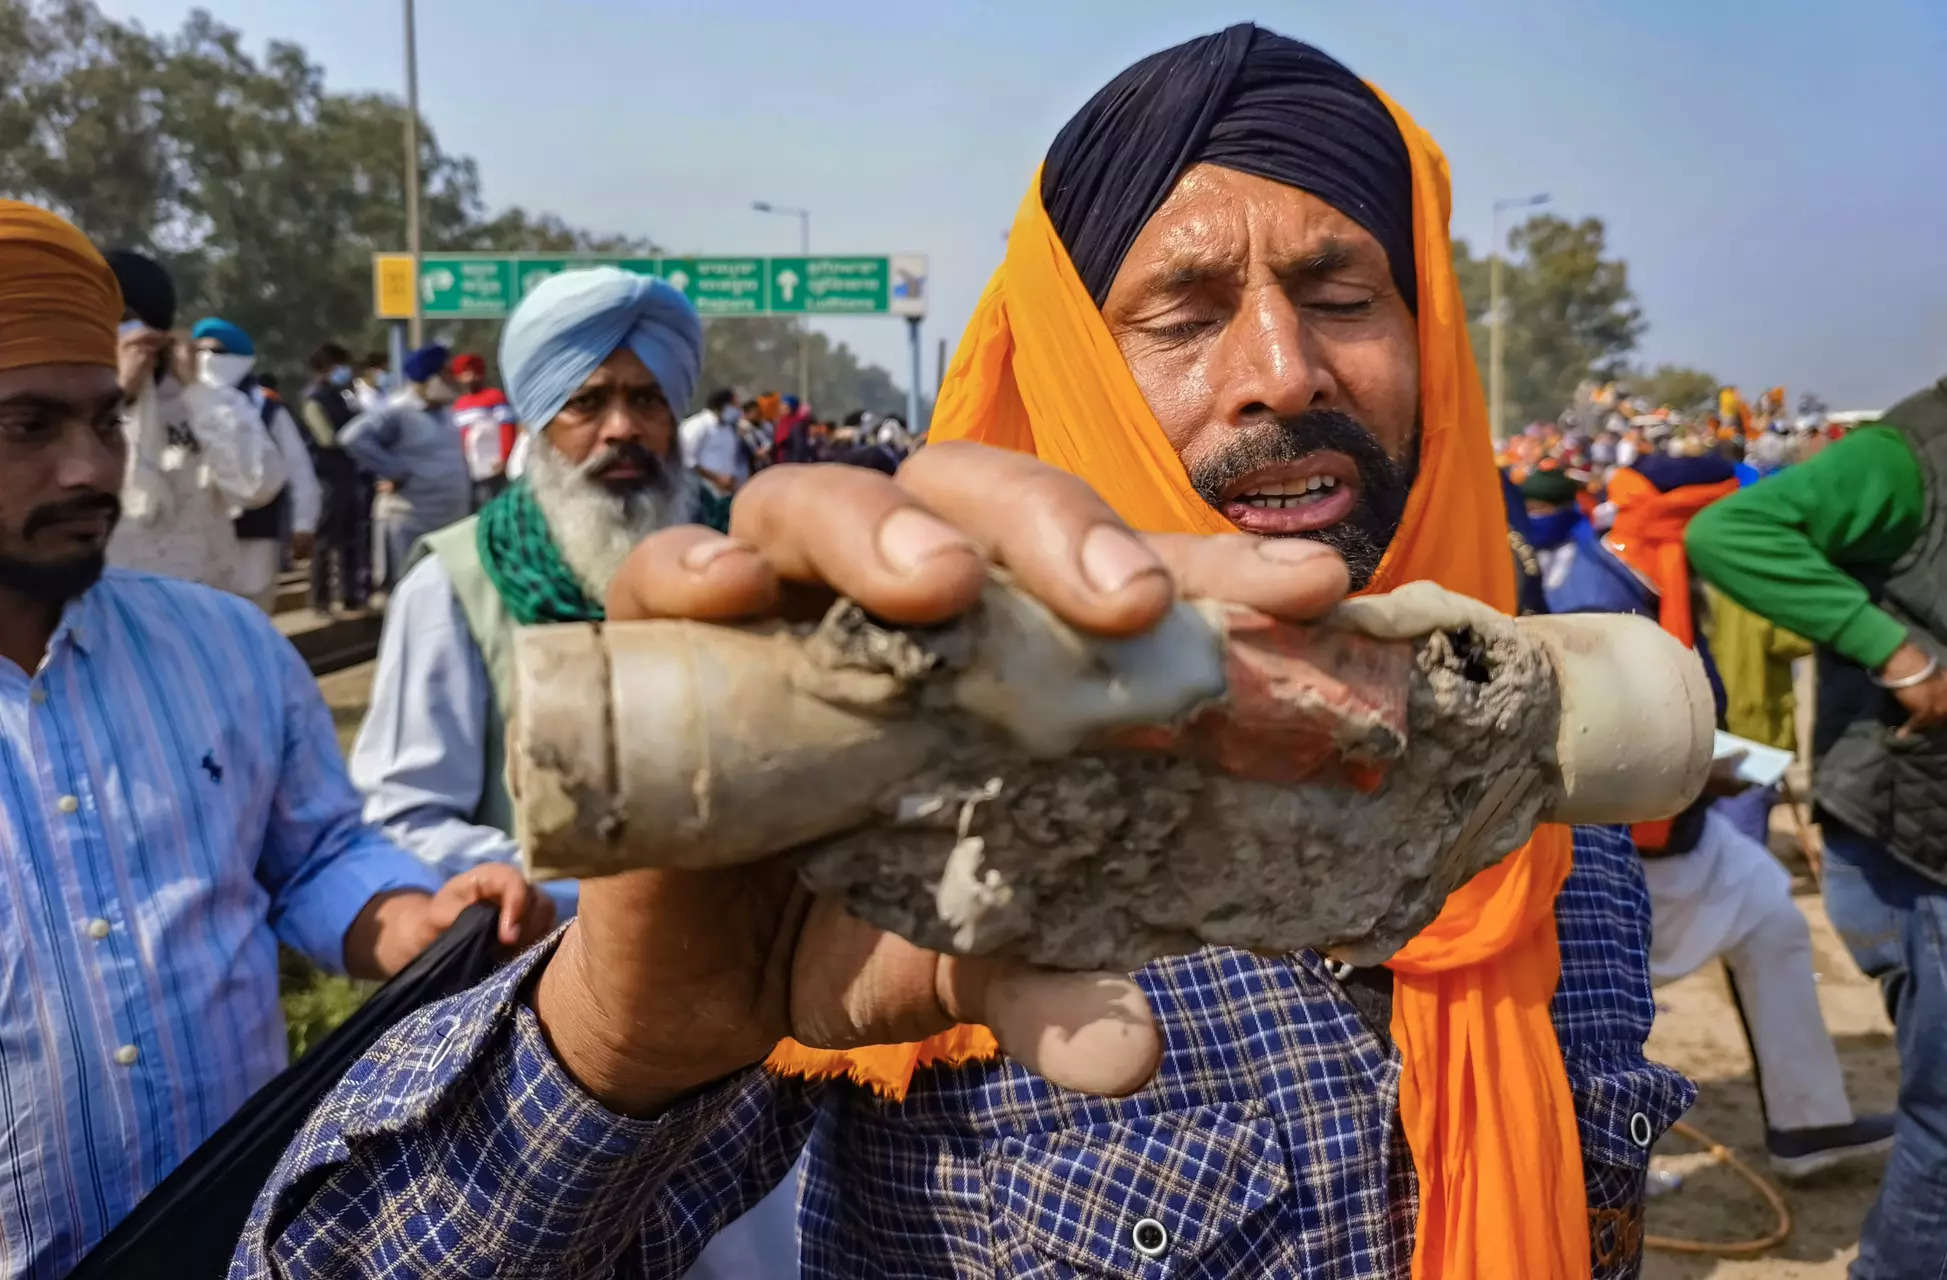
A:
{"points": [[1484, 1095], [59, 303], [1648, 536]]}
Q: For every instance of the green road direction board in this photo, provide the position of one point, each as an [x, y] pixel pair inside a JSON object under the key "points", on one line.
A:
{"points": [[466, 287], [854, 285], [530, 272], [723, 286], [463, 286]]}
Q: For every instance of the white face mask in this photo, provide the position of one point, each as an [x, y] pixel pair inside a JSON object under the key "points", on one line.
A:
{"points": [[731, 415], [222, 369]]}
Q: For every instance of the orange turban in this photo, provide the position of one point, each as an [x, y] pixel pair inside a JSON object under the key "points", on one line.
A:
{"points": [[59, 303], [1484, 1096]]}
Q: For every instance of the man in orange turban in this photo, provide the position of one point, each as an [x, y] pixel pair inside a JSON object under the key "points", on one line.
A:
{"points": [[1228, 322]]}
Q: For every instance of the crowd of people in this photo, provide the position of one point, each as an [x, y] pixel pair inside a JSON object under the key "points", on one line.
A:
{"points": [[1227, 319], [227, 489]]}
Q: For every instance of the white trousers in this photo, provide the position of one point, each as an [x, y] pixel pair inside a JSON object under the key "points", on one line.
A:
{"points": [[1729, 897], [258, 560]]}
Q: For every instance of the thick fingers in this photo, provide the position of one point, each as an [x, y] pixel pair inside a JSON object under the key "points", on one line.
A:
{"points": [[539, 919], [1415, 609], [864, 536], [1289, 578], [853, 984], [514, 904], [1092, 1032], [1062, 542], [692, 572]]}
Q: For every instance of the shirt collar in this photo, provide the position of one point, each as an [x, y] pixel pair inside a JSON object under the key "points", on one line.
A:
{"points": [[82, 618]]}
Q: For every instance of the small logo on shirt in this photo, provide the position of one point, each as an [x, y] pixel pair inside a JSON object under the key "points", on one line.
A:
{"points": [[211, 767]]}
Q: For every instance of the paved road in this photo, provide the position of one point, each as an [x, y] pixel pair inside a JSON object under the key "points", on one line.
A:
{"points": [[345, 693]]}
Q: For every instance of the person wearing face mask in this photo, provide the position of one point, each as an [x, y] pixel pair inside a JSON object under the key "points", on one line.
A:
{"points": [[691, 430], [722, 465], [196, 450], [226, 357], [410, 444], [344, 541]]}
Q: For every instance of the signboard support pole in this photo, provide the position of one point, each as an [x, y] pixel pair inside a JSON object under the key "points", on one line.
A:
{"points": [[396, 348], [912, 382], [412, 167]]}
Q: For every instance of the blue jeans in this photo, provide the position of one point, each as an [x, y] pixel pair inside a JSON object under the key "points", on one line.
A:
{"points": [[1894, 922]]}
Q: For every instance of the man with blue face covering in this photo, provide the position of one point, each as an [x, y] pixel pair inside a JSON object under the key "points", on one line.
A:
{"points": [[226, 357], [599, 365]]}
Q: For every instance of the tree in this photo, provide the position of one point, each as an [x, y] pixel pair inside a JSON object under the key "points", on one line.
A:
{"points": [[1676, 386], [1570, 314], [266, 194], [760, 353]]}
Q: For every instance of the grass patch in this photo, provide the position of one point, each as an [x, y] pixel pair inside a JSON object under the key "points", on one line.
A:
{"points": [[314, 1001]]}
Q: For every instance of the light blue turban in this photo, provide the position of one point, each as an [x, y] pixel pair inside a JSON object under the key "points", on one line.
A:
{"points": [[234, 340], [562, 331]]}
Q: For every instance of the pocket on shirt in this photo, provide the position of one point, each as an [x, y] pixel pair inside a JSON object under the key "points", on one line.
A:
{"points": [[1622, 1108], [1144, 1195]]}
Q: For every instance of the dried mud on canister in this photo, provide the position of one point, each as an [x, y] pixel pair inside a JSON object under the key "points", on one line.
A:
{"points": [[1005, 783]]}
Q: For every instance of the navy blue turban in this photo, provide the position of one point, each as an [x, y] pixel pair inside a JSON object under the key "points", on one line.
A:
{"points": [[422, 365], [1668, 473], [147, 289], [1245, 99]]}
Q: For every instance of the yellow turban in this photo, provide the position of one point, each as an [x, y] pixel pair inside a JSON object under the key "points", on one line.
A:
{"points": [[59, 303]]}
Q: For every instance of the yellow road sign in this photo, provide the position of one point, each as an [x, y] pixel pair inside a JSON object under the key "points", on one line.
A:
{"points": [[392, 286]]}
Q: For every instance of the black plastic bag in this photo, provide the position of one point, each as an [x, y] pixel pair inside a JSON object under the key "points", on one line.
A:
{"points": [[187, 1227]]}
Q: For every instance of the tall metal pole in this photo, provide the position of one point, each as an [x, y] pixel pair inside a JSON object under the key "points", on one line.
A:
{"points": [[412, 172], [1496, 322], [912, 387], [804, 247], [804, 358]]}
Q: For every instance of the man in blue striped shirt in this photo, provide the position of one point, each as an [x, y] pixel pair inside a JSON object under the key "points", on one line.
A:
{"points": [[172, 801]]}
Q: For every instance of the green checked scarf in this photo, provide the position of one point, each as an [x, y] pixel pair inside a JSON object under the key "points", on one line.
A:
{"points": [[524, 565]]}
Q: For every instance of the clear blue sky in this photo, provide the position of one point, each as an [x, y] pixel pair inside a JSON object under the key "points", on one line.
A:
{"points": [[1771, 171]]}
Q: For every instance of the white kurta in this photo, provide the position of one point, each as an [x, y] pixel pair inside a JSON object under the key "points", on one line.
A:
{"points": [[196, 455]]}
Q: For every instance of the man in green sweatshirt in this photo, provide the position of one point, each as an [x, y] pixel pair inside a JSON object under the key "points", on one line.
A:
{"points": [[1850, 551]]}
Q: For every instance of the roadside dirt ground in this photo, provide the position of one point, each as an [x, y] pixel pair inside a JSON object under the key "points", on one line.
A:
{"points": [[1696, 1032]]}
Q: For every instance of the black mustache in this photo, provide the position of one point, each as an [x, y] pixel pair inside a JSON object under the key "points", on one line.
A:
{"points": [[626, 452], [1362, 537], [1271, 441], [73, 509]]}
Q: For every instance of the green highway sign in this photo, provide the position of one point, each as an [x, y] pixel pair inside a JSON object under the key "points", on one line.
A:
{"points": [[466, 286]]}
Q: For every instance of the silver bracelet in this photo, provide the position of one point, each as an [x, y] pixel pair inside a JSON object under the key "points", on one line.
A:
{"points": [[1921, 676]]}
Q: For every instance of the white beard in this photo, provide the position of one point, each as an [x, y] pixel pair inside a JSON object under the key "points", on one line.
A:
{"points": [[593, 528]]}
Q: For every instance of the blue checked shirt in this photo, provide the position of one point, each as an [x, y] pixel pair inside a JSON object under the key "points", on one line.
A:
{"points": [[172, 802], [1268, 1144]]}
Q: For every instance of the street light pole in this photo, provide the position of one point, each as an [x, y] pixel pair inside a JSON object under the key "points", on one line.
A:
{"points": [[412, 171], [1496, 341], [804, 248]]}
